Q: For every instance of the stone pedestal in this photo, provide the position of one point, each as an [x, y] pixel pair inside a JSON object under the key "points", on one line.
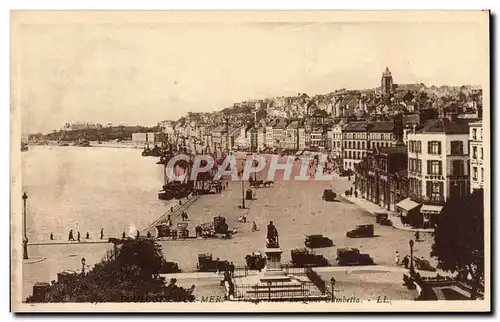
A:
{"points": [[273, 271]]}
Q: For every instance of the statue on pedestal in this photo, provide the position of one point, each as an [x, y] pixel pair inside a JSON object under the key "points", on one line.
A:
{"points": [[272, 236]]}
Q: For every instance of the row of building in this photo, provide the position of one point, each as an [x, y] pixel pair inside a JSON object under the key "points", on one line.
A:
{"points": [[439, 159]]}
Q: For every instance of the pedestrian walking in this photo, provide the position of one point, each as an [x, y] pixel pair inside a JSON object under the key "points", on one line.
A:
{"points": [[102, 233], [51, 236], [78, 236], [406, 261], [397, 258], [87, 236], [71, 237], [123, 235], [417, 236], [138, 234]]}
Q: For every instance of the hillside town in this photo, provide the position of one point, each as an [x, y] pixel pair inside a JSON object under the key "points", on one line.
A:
{"points": [[408, 147], [404, 160]]}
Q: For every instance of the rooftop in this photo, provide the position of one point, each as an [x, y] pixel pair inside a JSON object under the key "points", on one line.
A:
{"points": [[443, 125], [357, 127], [384, 126]]}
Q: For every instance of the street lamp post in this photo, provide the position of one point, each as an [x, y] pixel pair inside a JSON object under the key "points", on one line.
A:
{"points": [[332, 282], [83, 265], [25, 235], [242, 191], [411, 255]]}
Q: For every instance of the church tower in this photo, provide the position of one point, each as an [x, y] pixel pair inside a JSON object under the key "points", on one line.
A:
{"points": [[386, 83]]}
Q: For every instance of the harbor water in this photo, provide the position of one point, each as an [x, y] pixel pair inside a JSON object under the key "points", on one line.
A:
{"points": [[89, 188]]}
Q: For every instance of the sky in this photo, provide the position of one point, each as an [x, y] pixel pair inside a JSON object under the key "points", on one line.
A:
{"points": [[141, 73]]}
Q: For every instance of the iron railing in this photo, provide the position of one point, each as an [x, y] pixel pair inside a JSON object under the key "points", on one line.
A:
{"points": [[273, 291]]}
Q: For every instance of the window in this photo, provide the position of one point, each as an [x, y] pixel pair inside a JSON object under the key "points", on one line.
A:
{"points": [[411, 165], [474, 173], [411, 146], [359, 155], [350, 154], [474, 134], [457, 168], [358, 145], [434, 147], [382, 136], [419, 147], [474, 152], [482, 174], [419, 166], [457, 148], [363, 145], [481, 153], [435, 190], [434, 167]]}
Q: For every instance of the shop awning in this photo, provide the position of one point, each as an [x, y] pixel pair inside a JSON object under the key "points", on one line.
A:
{"points": [[431, 209], [407, 204]]}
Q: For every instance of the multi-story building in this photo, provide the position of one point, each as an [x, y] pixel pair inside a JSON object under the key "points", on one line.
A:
{"points": [[269, 135], [476, 155], [252, 137], [293, 142], [279, 134], [318, 137], [381, 176], [355, 141], [337, 145], [437, 164], [381, 134], [261, 138], [145, 138]]}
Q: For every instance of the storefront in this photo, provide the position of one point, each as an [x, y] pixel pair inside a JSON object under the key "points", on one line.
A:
{"points": [[429, 214], [409, 212]]}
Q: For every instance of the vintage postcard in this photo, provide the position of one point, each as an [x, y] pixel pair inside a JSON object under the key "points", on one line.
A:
{"points": [[250, 161]]}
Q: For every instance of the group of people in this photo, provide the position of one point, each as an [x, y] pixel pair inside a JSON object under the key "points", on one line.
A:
{"points": [[225, 266], [71, 236]]}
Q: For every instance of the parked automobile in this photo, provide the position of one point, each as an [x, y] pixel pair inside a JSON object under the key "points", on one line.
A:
{"points": [[361, 231], [255, 261], [169, 267], [302, 257], [352, 256], [382, 218], [206, 263], [329, 195], [318, 241]]}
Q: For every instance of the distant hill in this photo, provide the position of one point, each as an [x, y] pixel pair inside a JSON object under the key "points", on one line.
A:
{"points": [[104, 134]]}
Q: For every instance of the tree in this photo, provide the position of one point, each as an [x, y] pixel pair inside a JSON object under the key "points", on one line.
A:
{"points": [[459, 237], [129, 273]]}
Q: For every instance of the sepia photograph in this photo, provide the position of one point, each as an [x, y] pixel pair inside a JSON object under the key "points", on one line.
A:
{"points": [[250, 161]]}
